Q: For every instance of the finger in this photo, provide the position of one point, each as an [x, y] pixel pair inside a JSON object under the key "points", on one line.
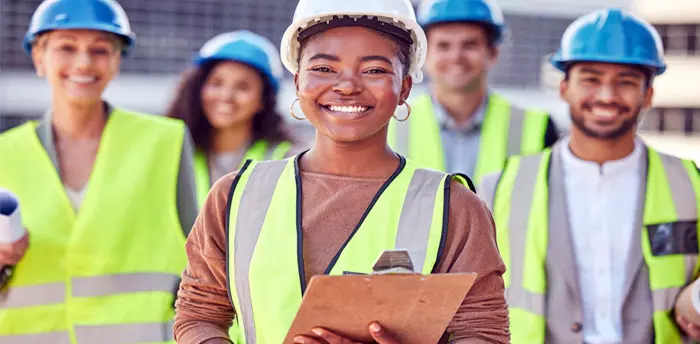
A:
{"points": [[24, 241], [381, 335], [693, 331], [306, 340], [330, 337]]}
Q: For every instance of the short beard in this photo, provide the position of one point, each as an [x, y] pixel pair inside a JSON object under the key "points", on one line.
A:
{"points": [[626, 126]]}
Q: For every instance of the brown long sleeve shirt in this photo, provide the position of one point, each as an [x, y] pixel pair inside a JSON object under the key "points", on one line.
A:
{"points": [[331, 207]]}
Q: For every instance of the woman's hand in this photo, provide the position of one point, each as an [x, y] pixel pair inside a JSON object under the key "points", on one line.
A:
{"points": [[11, 254], [380, 335], [690, 329]]}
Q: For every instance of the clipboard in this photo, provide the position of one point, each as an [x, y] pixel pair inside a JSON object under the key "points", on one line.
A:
{"points": [[415, 308]]}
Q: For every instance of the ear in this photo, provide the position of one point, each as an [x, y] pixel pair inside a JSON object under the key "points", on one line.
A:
{"points": [[406, 86], [296, 81], [495, 53], [648, 97], [563, 88], [38, 51]]}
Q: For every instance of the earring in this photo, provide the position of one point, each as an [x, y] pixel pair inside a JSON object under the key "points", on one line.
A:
{"points": [[291, 111], [408, 113]]}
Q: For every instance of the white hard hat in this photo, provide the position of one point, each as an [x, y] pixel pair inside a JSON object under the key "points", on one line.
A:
{"points": [[399, 13]]}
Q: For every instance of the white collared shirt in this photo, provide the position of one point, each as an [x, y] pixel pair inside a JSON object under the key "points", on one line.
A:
{"points": [[602, 206], [460, 142]]}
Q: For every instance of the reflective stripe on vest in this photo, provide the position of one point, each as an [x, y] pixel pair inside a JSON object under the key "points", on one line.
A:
{"points": [[264, 233], [507, 130], [101, 334], [258, 151], [115, 265], [522, 220]]}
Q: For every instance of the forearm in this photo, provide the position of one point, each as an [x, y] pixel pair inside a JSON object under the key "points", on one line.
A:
{"points": [[217, 341]]}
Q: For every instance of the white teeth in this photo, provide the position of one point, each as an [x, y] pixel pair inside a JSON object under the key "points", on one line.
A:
{"points": [[348, 109], [602, 112], [81, 79]]}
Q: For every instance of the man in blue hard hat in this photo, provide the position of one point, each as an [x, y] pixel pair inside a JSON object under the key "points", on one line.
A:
{"points": [[459, 125], [599, 233]]}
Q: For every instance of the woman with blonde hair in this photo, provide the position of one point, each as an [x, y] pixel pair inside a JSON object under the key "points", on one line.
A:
{"points": [[106, 194]]}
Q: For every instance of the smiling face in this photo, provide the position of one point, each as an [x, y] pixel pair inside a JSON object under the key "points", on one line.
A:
{"points": [[350, 82], [232, 95], [605, 100], [459, 56], [78, 64]]}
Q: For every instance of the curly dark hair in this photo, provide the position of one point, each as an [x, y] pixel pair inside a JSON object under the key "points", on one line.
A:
{"points": [[268, 124]]}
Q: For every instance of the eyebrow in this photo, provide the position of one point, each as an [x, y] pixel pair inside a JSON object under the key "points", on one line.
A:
{"points": [[631, 74], [69, 36], [375, 58], [363, 58], [324, 57], [591, 71]]}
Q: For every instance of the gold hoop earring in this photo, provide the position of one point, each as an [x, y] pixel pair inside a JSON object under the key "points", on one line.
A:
{"points": [[291, 111], [408, 113]]}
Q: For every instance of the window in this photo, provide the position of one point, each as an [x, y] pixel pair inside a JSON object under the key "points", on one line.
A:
{"points": [[169, 32], [679, 120], [680, 39]]}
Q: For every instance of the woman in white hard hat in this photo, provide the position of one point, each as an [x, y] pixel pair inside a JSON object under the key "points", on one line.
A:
{"points": [[228, 101], [266, 229], [107, 195]]}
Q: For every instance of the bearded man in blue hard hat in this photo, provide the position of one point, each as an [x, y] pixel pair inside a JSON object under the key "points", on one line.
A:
{"points": [[599, 233], [460, 125]]}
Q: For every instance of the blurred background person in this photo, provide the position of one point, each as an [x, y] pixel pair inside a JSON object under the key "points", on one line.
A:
{"points": [[460, 124], [107, 195], [228, 101]]}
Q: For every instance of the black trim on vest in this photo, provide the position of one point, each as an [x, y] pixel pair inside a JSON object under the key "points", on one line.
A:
{"points": [[227, 219], [300, 235], [446, 211], [470, 183], [402, 164]]}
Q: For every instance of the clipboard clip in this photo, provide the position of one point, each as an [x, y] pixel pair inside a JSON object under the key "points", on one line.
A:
{"points": [[390, 262]]}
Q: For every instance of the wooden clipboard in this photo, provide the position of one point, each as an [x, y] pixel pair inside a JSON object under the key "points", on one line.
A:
{"points": [[415, 308]]}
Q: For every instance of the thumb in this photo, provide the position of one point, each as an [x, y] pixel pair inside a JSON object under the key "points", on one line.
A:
{"points": [[381, 335]]}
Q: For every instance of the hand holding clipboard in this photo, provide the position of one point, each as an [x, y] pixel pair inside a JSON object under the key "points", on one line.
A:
{"points": [[413, 308]]}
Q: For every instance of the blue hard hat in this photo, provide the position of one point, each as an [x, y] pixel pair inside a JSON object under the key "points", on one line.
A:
{"points": [[611, 36], [245, 47], [449, 11], [101, 15]]}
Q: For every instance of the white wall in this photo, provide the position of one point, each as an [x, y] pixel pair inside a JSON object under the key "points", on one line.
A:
{"points": [[560, 8], [668, 11]]}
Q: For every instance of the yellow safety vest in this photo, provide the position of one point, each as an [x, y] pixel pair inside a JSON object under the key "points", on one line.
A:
{"points": [[260, 150], [525, 183], [264, 217], [111, 270], [506, 130]]}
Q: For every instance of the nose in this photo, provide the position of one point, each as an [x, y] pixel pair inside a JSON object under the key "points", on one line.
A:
{"points": [[227, 94], [83, 60], [606, 94], [348, 83]]}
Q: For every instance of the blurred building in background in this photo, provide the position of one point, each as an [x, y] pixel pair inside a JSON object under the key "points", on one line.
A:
{"points": [[674, 124], [170, 32]]}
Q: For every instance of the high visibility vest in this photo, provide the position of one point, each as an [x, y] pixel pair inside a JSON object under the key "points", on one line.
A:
{"points": [[264, 218], [111, 270], [506, 130], [260, 150], [521, 212]]}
